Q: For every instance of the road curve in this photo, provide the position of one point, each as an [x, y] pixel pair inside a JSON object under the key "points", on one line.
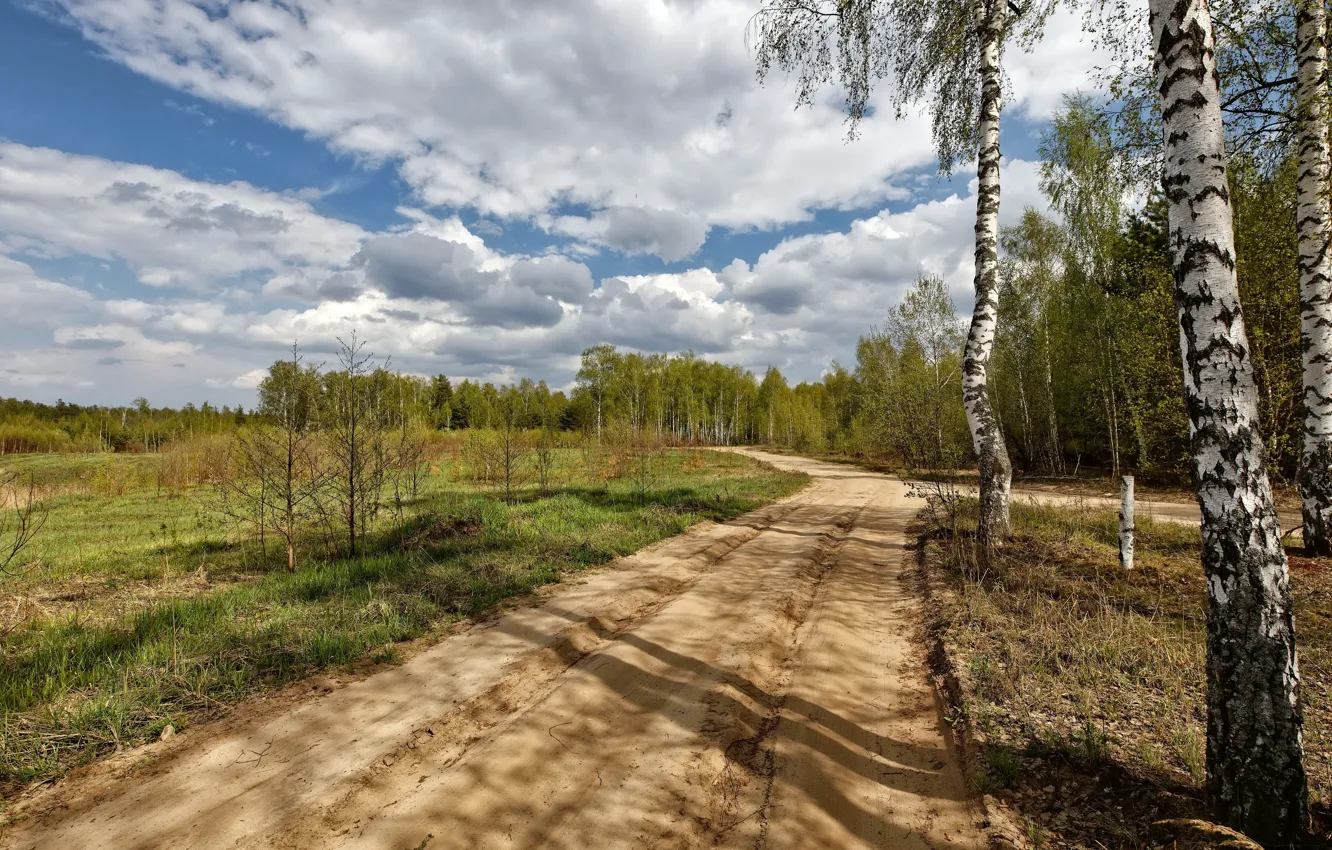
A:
{"points": [[750, 684]]}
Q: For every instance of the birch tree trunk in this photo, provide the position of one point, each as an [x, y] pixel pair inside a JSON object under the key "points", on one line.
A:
{"points": [[1255, 755], [996, 473], [1126, 525], [1030, 459], [1056, 447], [1315, 264]]}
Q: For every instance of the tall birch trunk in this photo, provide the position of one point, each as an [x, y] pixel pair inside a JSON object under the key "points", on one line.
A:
{"points": [[1255, 755], [1315, 264], [1126, 525], [996, 473], [1030, 459], [1056, 448]]}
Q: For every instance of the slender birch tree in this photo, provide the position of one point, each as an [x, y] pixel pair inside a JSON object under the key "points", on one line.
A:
{"points": [[1315, 265], [946, 52], [996, 471], [1255, 755], [598, 366]]}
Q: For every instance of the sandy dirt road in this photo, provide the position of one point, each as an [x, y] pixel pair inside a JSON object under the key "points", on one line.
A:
{"points": [[1186, 513], [1182, 512], [752, 684]]}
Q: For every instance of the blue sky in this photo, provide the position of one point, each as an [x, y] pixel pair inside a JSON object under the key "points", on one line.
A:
{"points": [[182, 194]]}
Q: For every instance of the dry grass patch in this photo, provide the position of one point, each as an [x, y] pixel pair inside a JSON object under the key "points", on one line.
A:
{"points": [[1085, 684]]}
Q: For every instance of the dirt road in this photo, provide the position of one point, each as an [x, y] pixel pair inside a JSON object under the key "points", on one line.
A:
{"points": [[1186, 513], [1182, 512], [752, 684]]}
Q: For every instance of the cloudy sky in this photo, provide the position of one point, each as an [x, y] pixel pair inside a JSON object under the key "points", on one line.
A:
{"points": [[479, 188]]}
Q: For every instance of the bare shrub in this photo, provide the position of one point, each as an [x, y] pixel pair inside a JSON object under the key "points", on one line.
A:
{"points": [[356, 428], [643, 462], [543, 455], [113, 479], [22, 522], [508, 454], [476, 453], [276, 471], [273, 482]]}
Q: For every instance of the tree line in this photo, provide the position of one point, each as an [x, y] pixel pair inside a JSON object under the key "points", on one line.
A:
{"points": [[29, 426], [678, 398]]}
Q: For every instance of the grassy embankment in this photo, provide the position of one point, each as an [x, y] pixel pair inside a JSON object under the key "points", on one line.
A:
{"points": [[1086, 683], [143, 606]]}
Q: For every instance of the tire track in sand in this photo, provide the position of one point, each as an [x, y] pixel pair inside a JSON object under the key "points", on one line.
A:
{"points": [[745, 685]]}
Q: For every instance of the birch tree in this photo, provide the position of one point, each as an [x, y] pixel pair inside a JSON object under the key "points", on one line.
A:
{"points": [[1034, 273], [996, 472], [1254, 45], [1255, 760], [1315, 266], [1082, 176], [595, 373], [946, 52], [924, 324]]}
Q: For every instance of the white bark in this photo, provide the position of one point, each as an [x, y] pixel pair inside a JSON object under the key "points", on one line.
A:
{"points": [[1056, 448], [1126, 526], [1315, 264], [996, 473], [1255, 758]]}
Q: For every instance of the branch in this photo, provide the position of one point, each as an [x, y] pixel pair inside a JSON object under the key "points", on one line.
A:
{"points": [[1271, 113], [798, 6], [1264, 86], [29, 516]]}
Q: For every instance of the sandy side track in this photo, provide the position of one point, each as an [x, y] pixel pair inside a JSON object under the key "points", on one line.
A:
{"points": [[1186, 513], [751, 684], [1181, 512]]}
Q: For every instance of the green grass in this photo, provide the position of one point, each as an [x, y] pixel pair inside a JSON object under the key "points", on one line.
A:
{"points": [[85, 471], [148, 609]]}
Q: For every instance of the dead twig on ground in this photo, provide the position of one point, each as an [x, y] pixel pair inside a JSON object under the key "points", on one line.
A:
{"points": [[551, 733]]}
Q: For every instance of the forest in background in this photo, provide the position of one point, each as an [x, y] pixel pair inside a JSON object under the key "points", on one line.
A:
{"points": [[1086, 375]]}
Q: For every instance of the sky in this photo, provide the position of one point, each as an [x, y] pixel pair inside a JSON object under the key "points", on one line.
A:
{"points": [[477, 189]]}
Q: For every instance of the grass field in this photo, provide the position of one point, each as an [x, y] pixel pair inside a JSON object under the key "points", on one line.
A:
{"points": [[147, 607], [1086, 683]]}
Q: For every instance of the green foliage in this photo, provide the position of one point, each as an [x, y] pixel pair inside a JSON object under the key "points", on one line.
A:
{"points": [[930, 51], [441, 402], [1267, 265], [683, 398], [909, 383], [28, 426], [1087, 365], [1001, 770]]}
